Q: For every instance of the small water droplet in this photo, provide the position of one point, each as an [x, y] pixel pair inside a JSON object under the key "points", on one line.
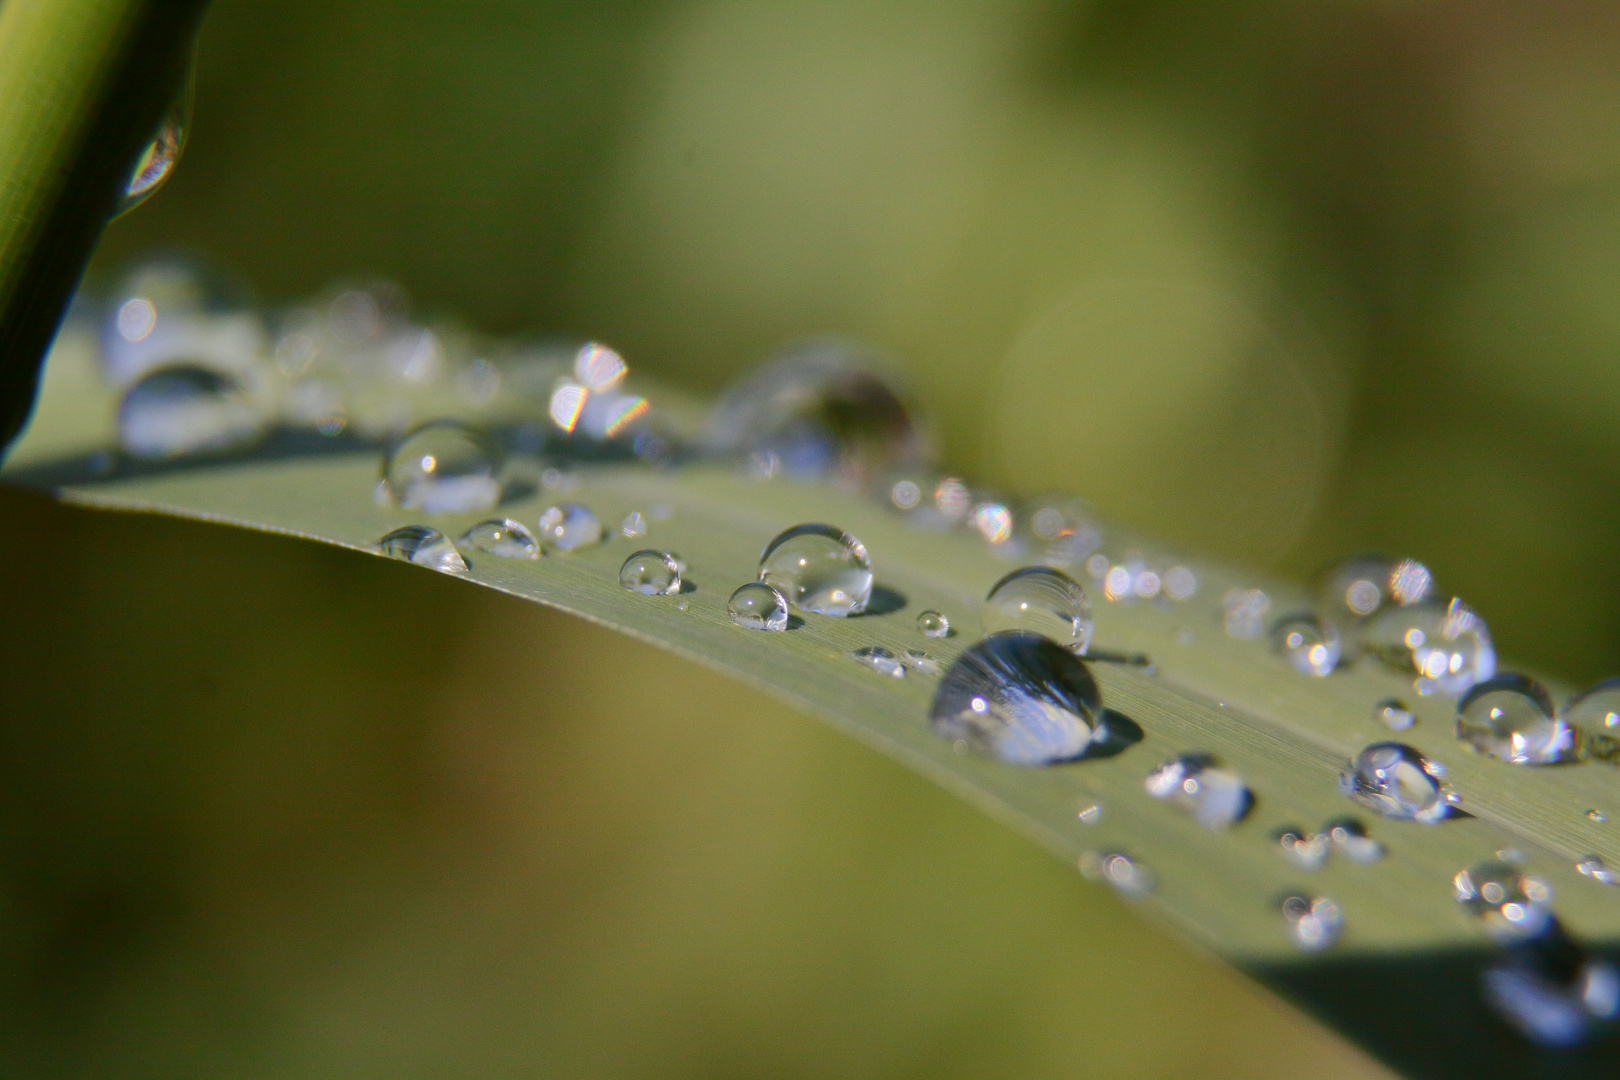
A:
{"points": [[1306, 850], [651, 573], [1365, 585], [1513, 906], [818, 568], [1180, 583], [1349, 838], [1128, 877], [599, 368], [1511, 717], [1314, 922], [1396, 781], [757, 606], [1245, 612], [1553, 999], [569, 527], [157, 159], [1312, 647], [1184, 636], [993, 521], [905, 494], [1593, 867], [1021, 698], [934, 624], [919, 661], [1216, 798], [1091, 814], [1597, 815], [502, 537], [442, 467], [1040, 600], [1394, 715], [951, 498], [184, 410], [880, 660], [1596, 709], [1511, 855], [634, 525], [423, 546], [1446, 646]]}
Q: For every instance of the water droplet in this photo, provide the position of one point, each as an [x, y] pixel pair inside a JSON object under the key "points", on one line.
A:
{"points": [[1314, 922], [502, 537], [1349, 838], [651, 573], [423, 546], [1180, 583], [1128, 877], [1593, 867], [1306, 850], [1597, 709], [1091, 814], [599, 368], [157, 159], [818, 568], [905, 494], [1514, 906], [1446, 646], [442, 467], [1305, 642], [569, 527], [1396, 781], [681, 605], [758, 607], [1597, 815], [1216, 798], [934, 624], [880, 660], [916, 660], [993, 521], [1553, 1000], [1365, 585], [634, 525], [1245, 612], [179, 411], [1394, 715], [1510, 717], [824, 408], [1040, 600], [1021, 698]]}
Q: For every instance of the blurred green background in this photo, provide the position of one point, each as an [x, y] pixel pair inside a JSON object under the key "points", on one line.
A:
{"points": [[1277, 281]]}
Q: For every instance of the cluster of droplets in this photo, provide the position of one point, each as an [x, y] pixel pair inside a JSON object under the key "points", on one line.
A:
{"points": [[1346, 838]]}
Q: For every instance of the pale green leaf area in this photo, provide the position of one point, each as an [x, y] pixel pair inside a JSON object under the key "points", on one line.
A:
{"points": [[1287, 734]]}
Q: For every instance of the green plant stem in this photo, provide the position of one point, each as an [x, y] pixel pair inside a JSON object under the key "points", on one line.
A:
{"points": [[83, 84]]}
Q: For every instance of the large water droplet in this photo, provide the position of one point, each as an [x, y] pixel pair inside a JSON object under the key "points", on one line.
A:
{"points": [[1597, 709], [1128, 877], [757, 606], [1512, 905], [823, 408], [1021, 698], [818, 568], [1040, 600], [934, 624], [502, 537], [1305, 642], [1446, 646], [443, 467], [423, 546], [1216, 798], [568, 527], [651, 573], [157, 159], [1396, 781], [1511, 717], [881, 660], [1314, 922], [178, 411], [1363, 586]]}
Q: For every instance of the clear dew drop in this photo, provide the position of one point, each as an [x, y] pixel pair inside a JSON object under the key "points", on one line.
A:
{"points": [[757, 606], [1361, 587], [1306, 850], [1597, 709], [1349, 839], [185, 410], [443, 467], [1597, 815], [1090, 814], [423, 546], [1021, 698], [1555, 1003], [1398, 782], [1309, 645], [569, 527], [933, 624], [1245, 611], [818, 568], [1513, 906], [634, 525], [503, 538], [1445, 646], [1040, 600], [1216, 798], [920, 662], [1126, 875], [651, 573], [881, 660], [157, 159], [1314, 922], [1593, 867], [1394, 715], [1511, 718]]}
